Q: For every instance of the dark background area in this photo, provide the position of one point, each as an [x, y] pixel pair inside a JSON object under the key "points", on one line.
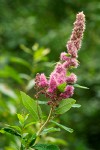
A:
{"points": [[32, 35]]}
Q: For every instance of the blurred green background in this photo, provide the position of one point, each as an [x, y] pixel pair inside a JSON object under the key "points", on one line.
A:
{"points": [[32, 35]]}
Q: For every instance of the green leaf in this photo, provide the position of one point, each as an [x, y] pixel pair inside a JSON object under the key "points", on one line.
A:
{"points": [[2, 131], [30, 85], [9, 72], [11, 131], [67, 54], [5, 89], [16, 128], [21, 119], [42, 102], [49, 130], [68, 73], [62, 126], [40, 54], [80, 86], [46, 147], [29, 124], [65, 105], [31, 106], [76, 105], [26, 49], [26, 117], [31, 141], [61, 87], [20, 61]]}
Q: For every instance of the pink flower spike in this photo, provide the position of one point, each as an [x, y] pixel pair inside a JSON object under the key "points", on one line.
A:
{"points": [[74, 44], [43, 81]]}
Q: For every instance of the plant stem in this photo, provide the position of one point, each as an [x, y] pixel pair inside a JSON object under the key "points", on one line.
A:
{"points": [[48, 118], [38, 111]]}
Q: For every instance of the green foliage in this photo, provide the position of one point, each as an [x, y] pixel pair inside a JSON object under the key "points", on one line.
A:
{"points": [[31, 141], [76, 105], [22, 119], [49, 130], [31, 106], [45, 147], [65, 105], [80, 86], [61, 87], [11, 131], [63, 127]]}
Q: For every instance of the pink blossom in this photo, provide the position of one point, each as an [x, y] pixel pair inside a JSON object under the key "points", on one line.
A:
{"points": [[63, 56], [52, 83], [74, 62], [71, 62], [69, 90], [66, 64], [60, 69], [71, 79], [72, 50], [64, 95], [42, 80]]}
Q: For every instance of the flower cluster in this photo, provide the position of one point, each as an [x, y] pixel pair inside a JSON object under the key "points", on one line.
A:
{"points": [[60, 83]]}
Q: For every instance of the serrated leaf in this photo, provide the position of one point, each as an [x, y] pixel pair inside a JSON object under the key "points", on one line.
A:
{"points": [[76, 105], [80, 86], [46, 147], [49, 130], [31, 106], [65, 105], [61, 87], [62, 126], [11, 131]]}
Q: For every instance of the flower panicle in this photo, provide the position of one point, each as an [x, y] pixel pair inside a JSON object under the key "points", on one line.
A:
{"points": [[60, 74], [74, 44]]}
